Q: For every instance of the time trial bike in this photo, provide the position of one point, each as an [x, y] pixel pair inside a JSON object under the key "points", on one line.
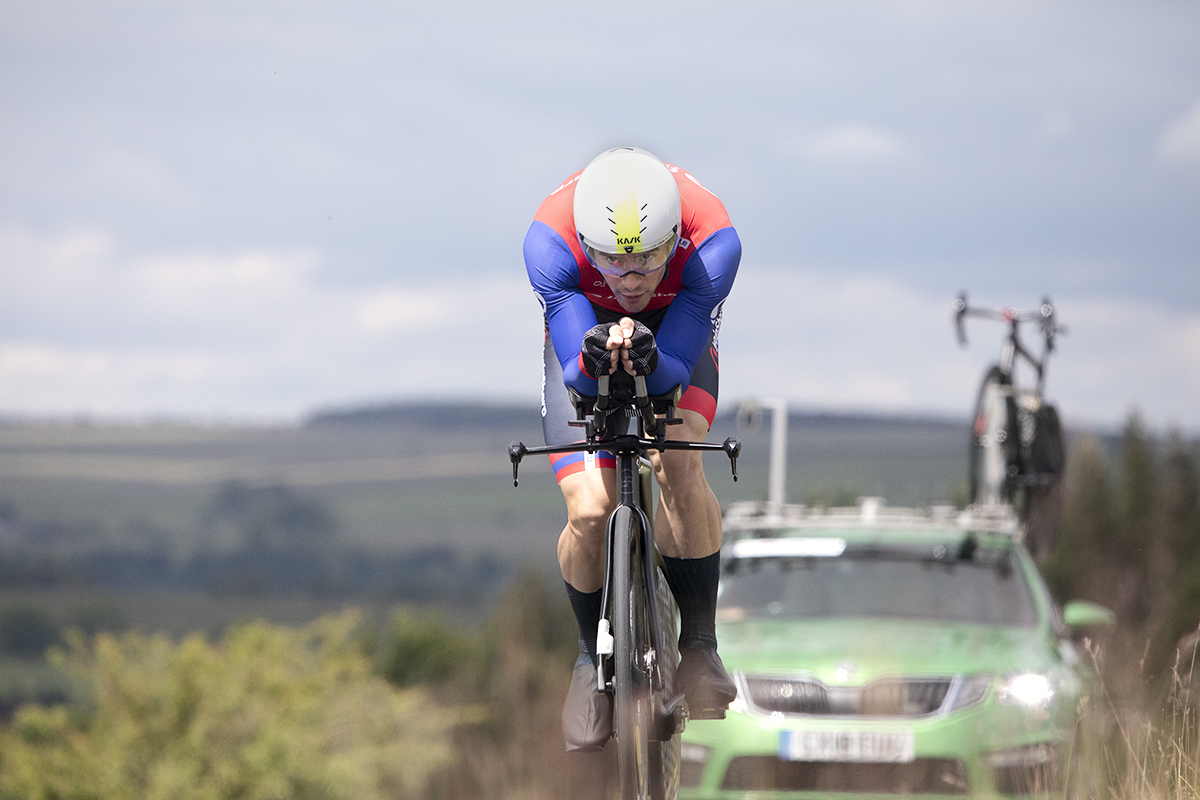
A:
{"points": [[637, 642]]}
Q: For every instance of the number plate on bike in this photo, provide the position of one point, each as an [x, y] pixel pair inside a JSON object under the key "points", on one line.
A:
{"points": [[849, 746]]}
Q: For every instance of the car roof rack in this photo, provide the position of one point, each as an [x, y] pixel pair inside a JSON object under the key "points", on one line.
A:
{"points": [[756, 518]]}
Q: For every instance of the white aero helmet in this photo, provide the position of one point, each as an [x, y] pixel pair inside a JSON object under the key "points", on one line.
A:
{"points": [[627, 211]]}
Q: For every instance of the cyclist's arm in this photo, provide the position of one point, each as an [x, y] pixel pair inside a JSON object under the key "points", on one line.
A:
{"points": [[707, 278], [554, 275]]}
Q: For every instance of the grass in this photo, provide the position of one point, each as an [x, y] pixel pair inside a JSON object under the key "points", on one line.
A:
{"points": [[1138, 739]]}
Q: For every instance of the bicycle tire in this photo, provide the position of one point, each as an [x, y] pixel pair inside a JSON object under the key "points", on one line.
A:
{"points": [[665, 747], [665, 755], [1047, 455], [632, 699], [994, 465]]}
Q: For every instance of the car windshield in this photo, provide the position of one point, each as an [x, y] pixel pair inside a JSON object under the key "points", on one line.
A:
{"points": [[866, 584]]}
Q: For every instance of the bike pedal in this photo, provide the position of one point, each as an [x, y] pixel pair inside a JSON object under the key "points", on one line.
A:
{"points": [[708, 713], [671, 718]]}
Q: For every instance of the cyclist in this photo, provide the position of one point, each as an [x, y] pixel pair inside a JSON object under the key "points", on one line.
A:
{"points": [[632, 260]]}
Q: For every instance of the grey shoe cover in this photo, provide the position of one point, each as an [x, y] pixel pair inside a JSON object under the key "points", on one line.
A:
{"points": [[587, 715]]}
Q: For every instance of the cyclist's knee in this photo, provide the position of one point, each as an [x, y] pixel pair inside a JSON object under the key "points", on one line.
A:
{"points": [[587, 521], [589, 503], [679, 472], [675, 466]]}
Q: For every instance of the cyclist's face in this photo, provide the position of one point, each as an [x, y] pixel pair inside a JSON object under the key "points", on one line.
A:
{"points": [[633, 276], [634, 290], [617, 265]]}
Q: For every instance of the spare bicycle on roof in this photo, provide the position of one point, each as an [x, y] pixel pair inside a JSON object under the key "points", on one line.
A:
{"points": [[1016, 451]]}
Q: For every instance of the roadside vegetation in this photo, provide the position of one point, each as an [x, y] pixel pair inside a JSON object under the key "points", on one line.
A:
{"points": [[1130, 539]]}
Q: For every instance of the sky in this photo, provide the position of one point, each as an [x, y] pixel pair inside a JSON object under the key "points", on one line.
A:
{"points": [[246, 210]]}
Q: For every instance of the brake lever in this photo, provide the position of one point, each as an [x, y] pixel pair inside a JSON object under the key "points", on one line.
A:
{"points": [[733, 448], [960, 311], [516, 451]]}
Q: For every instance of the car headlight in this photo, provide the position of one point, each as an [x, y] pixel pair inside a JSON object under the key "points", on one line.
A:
{"points": [[1028, 689]]}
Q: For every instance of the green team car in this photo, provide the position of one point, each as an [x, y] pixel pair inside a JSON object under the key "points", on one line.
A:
{"points": [[887, 651]]}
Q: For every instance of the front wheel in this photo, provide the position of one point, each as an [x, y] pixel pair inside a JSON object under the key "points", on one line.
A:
{"points": [[631, 681], [665, 753], [648, 744]]}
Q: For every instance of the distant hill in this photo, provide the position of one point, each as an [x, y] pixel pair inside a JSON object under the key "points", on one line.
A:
{"points": [[448, 416], [831, 456], [459, 415], [413, 499]]}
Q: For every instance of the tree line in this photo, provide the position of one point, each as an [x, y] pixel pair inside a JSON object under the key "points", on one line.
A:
{"points": [[1129, 539]]}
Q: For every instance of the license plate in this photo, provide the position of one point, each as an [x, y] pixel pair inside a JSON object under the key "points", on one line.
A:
{"points": [[850, 746]]}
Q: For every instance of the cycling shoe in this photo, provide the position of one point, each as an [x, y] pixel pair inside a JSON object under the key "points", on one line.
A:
{"points": [[706, 685], [587, 715]]}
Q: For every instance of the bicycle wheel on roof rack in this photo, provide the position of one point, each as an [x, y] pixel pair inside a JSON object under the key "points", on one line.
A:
{"points": [[1044, 496], [1047, 455], [994, 465]]}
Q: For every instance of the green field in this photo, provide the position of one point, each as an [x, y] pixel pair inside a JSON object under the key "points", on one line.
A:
{"points": [[429, 486], [420, 475]]}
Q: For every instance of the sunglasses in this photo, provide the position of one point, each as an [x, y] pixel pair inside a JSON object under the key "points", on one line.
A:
{"points": [[646, 262]]}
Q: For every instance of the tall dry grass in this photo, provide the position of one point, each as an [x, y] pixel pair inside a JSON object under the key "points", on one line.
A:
{"points": [[1139, 737]]}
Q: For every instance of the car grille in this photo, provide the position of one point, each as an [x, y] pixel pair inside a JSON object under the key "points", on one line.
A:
{"points": [[768, 773], [882, 698]]}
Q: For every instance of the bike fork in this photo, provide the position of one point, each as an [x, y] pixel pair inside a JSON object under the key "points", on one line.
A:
{"points": [[618, 558], [616, 553]]}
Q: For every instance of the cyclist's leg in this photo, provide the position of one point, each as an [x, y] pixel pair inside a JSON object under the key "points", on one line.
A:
{"points": [[588, 484], [688, 521], [590, 497], [688, 533]]}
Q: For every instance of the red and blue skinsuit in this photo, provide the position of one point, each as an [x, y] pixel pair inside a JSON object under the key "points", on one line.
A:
{"points": [[684, 313]]}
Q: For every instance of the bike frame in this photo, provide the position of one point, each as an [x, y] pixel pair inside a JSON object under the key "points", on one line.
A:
{"points": [[619, 402], [1013, 346]]}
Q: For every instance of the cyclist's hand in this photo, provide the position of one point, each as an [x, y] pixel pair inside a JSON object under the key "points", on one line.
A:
{"points": [[627, 345], [635, 345]]}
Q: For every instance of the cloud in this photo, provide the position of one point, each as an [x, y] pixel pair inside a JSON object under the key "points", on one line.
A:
{"points": [[1181, 141], [1127, 355], [246, 334], [877, 344], [263, 334], [388, 310], [853, 143], [1055, 126]]}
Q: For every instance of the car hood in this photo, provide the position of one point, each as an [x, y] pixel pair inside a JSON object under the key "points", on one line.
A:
{"points": [[857, 651]]}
